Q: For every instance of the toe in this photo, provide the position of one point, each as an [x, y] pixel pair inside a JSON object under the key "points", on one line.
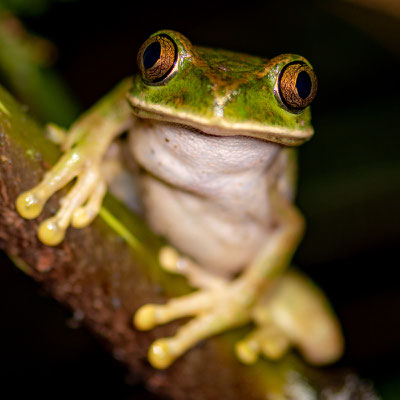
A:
{"points": [[29, 205], [50, 232], [247, 351], [161, 354]]}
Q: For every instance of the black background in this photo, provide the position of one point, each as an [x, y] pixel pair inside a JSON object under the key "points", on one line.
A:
{"points": [[349, 187]]}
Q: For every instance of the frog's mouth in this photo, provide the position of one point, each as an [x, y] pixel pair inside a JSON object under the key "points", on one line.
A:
{"points": [[220, 126]]}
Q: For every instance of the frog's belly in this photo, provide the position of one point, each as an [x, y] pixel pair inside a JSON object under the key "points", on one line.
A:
{"points": [[219, 241], [208, 195]]}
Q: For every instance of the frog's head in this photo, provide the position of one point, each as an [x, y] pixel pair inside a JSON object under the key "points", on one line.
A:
{"points": [[224, 93]]}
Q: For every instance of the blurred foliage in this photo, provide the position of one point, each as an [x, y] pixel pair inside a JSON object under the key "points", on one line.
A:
{"points": [[26, 68], [29, 7]]}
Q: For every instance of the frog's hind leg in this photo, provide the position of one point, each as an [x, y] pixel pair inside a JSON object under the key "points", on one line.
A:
{"points": [[91, 136], [294, 312]]}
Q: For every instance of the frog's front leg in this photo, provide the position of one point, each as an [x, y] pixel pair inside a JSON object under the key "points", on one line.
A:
{"points": [[219, 307], [85, 147]]}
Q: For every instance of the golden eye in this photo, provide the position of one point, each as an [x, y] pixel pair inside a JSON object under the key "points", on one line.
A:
{"points": [[297, 86], [156, 58]]}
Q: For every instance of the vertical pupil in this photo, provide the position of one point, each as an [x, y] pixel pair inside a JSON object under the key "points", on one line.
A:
{"points": [[303, 84], [151, 54]]}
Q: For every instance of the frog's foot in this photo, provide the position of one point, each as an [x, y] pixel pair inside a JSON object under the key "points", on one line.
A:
{"points": [[214, 311], [79, 207], [84, 148]]}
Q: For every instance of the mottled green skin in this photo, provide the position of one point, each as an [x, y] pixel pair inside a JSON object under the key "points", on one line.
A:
{"points": [[244, 86]]}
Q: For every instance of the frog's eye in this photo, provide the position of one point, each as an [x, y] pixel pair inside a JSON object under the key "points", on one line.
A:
{"points": [[157, 58], [297, 86]]}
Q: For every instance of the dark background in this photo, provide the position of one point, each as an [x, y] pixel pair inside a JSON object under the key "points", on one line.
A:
{"points": [[349, 187]]}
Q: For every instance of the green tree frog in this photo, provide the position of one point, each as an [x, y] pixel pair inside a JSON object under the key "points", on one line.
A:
{"points": [[213, 133]]}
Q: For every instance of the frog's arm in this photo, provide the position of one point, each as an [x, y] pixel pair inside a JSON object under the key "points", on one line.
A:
{"points": [[218, 309], [84, 147], [259, 295]]}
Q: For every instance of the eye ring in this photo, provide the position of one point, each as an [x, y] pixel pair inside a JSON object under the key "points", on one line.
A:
{"points": [[157, 59], [297, 86]]}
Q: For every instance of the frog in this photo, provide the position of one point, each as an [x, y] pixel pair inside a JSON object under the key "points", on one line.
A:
{"points": [[214, 135]]}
